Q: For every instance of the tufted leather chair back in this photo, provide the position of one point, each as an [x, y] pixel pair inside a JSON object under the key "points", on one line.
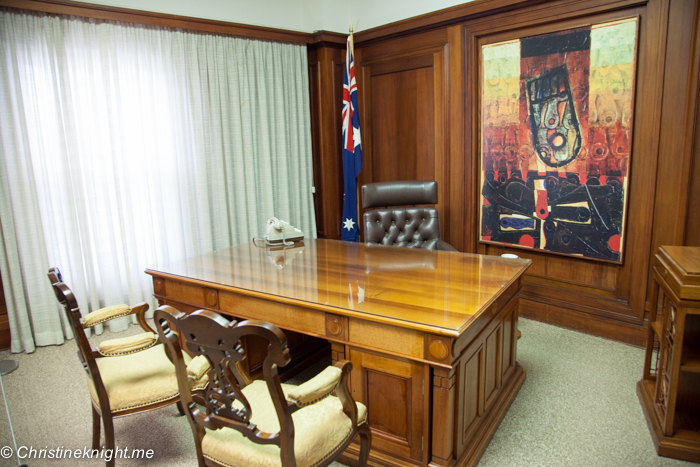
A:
{"points": [[403, 224]]}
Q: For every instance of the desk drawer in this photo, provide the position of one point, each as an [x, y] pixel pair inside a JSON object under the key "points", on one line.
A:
{"points": [[283, 315]]}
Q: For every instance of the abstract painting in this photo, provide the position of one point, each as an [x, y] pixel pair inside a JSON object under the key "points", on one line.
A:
{"points": [[556, 129]]}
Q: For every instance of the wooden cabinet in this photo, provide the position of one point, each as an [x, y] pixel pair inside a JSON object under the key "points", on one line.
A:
{"points": [[670, 387], [4, 321]]}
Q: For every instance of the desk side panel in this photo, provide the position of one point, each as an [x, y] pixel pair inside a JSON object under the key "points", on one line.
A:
{"points": [[488, 378]]}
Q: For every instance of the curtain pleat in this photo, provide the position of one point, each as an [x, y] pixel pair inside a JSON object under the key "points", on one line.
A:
{"points": [[128, 146]]}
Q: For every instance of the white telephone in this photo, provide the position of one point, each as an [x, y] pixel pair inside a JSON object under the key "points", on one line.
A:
{"points": [[282, 233]]}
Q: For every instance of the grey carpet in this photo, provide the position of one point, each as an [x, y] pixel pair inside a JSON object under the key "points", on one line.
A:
{"points": [[578, 407]]}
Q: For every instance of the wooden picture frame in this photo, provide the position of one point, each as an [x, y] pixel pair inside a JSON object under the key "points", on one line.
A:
{"points": [[556, 133]]}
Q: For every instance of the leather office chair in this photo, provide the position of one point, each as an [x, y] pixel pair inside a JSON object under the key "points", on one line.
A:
{"points": [[125, 375], [259, 423], [404, 224]]}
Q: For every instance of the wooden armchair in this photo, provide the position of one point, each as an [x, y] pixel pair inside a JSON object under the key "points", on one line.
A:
{"points": [[240, 422], [124, 376]]}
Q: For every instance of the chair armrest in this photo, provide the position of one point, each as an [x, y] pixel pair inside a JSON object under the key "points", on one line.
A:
{"points": [[197, 368], [317, 388], [127, 345], [117, 311]]}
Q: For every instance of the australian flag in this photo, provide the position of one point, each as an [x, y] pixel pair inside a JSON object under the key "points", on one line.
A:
{"points": [[352, 150]]}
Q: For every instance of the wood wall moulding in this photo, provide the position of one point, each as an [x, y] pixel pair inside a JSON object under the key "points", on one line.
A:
{"points": [[405, 113], [328, 39], [326, 69], [109, 13], [577, 320], [680, 202], [678, 110], [692, 228], [457, 165], [584, 300], [440, 18]]}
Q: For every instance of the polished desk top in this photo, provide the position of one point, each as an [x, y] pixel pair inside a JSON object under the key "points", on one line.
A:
{"points": [[435, 289]]}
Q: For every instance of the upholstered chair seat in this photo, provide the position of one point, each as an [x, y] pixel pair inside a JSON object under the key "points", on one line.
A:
{"points": [[139, 379], [319, 430], [394, 219]]}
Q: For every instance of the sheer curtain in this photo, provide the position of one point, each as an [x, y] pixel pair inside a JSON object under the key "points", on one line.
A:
{"points": [[125, 146]]}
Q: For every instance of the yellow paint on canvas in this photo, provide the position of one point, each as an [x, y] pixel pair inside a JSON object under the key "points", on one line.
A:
{"points": [[611, 76], [495, 89]]}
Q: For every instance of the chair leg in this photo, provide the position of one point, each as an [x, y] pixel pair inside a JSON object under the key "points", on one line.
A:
{"points": [[179, 409], [109, 436], [95, 428], [365, 445]]}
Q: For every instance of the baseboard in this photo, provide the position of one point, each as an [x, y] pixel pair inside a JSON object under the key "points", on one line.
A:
{"points": [[584, 322]]}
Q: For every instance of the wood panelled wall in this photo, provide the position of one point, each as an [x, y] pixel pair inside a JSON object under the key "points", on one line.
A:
{"points": [[419, 105], [419, 110], [326, 68]]}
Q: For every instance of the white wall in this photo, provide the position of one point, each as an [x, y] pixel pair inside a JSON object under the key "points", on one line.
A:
{"points": [[367, 14], [297, 15]]}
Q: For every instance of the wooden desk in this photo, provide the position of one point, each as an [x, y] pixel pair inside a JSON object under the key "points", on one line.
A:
{"points": [[431, 335]]}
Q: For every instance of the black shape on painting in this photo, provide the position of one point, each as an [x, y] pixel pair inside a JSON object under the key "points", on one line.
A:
{"points": [[549, 44], [570, 226], [555, 130]]}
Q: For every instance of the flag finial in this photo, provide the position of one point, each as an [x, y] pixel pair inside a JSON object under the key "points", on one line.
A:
{"points": [[350, 25]]}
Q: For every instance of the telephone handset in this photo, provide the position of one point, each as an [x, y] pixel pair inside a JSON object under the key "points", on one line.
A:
{"points": [[282, 233]]}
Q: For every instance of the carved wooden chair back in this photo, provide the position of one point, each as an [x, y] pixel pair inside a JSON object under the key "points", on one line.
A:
{"points": [[211, 335], [136, 362], [65, 297]]}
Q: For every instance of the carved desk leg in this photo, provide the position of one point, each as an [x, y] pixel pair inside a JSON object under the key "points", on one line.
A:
{"points": [[443, 417], [337, 327], [337, 352]]}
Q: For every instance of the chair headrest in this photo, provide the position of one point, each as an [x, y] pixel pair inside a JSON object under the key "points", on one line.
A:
{"points": [[400, 193]]}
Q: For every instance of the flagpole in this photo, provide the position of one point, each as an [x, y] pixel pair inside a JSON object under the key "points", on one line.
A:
{"points": [[352, 147], [352, 50]]}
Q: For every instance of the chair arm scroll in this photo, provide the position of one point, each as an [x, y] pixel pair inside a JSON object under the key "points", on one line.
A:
{"points": [[117, 311], [343, 393]]}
